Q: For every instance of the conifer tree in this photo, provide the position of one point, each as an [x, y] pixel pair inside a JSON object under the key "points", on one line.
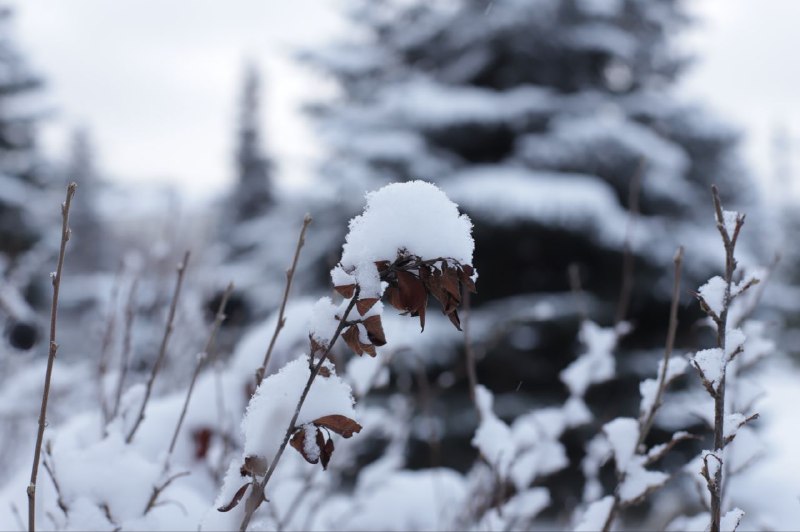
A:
{"points": [[253, 194], [554, 124]]}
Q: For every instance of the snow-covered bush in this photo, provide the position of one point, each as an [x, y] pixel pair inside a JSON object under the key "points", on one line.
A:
{"points": [[410, 242]]}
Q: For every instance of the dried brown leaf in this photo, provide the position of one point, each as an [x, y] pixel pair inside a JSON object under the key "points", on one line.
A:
{"points": [[454, 319], [235, 501], [342, 425], [375, 330], [351, 338], [363, 305], [298, 441], [326, 451], [347, 291], [254, 465]]}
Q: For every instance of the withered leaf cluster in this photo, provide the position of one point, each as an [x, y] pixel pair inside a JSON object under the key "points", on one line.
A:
{"points": [[371, 325], [342, 425], [411, 280]]}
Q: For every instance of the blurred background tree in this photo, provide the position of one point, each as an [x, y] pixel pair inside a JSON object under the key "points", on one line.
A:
{"points": [[555, 125]]}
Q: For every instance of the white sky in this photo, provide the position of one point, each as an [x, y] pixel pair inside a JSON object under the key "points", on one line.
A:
{"points": [[157, 81]]}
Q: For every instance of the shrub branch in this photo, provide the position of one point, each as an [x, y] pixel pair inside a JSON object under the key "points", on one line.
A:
{"points": [[51, 358], [163, 349]]}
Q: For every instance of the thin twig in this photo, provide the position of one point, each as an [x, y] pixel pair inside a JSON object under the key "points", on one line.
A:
{"points": [[628, 259], [157, 490], [124, 359], [472, 373], [163, 349], [220, 317], [729, 242], [65, 234], [59, 496], [108, 337], [574, 274], [646, 423], [256, 496], [260, 372]]}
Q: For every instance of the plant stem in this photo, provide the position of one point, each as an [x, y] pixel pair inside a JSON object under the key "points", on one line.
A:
{"points": [[729, 242], [646, 423], [220, 317], [124, 359], [259, 488], [260, 372], [163, 349], [37, 451]]}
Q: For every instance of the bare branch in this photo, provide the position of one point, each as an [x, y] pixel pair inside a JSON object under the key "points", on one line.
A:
{"points": [[256, 496], [220, 317], [647, 423], [105, 346], [163, 349], [157, 490], [124, 359], [260, 372], [65, 234]]}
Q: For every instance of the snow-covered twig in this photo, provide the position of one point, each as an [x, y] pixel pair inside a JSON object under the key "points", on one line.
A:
{"points": [[51, 358], [260, 372], [256, 496], [729, 237], [163, 349]]}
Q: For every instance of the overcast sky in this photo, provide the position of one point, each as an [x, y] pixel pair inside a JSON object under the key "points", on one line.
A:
{"points": [[156, 81]]}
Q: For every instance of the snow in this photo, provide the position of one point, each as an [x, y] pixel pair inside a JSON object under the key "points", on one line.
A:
{"points": [[596, 515], [493, 437], [732, 423], [323, 322], [648, 388], [713, 293], [406, 500], [730, 219], [710, 362], [596, 364], [606, 8], [366, 373], [426, 103], [513, 194], [734, 339], [368, 279], [415, 216], [730, 521], [622, 434], [639, 481], [275, 400]]}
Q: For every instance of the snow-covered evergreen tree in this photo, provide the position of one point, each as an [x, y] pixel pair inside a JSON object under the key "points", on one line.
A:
{"points": [[253, 193], [91, 238], [19, 164], [538, 116], [23, 182]]}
